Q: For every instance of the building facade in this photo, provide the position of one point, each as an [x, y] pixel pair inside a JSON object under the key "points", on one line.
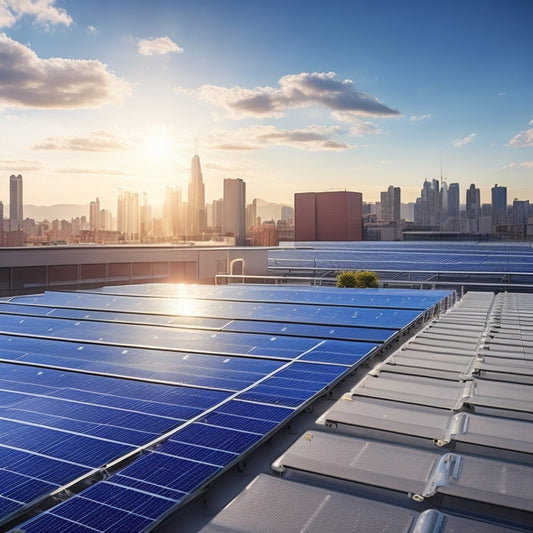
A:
{"points": [[234, 210], [328, 216], [196, 200], [16, 216]]}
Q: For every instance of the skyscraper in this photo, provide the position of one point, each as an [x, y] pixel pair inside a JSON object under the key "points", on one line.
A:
{"points": [[427, 207], [499, 205], [15, 203], [196, 200], [128, 215], [234, 210], [453, 200], [391, 204], [94, 215], [473, 202]]}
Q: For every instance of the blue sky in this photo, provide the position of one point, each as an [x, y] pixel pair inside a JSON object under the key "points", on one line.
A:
{"points": [[290, 96]]}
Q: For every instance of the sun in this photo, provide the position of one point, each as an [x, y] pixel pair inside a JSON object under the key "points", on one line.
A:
{"points": [[159, 146]]}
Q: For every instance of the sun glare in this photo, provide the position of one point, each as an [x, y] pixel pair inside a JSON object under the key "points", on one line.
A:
{"points": [[159, 146]]}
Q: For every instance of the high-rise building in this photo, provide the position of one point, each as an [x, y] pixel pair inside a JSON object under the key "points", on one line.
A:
{"points": [[391, 204], [234, 210], [328, 216], [453, 200], [15, 203], [499, 205], [173, 213], [251, 215], [427, 206], [128, 215], [520, 211], [473, 202], [146, 218], [196, 200], [287, 214], [94, 215]]}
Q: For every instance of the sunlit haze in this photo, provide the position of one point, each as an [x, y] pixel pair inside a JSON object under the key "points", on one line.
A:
{"points": [[107, 95]]}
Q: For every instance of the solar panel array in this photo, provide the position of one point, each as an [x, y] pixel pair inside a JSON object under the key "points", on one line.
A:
{"points": [[438, 437], [469, 257], [120, 405]]}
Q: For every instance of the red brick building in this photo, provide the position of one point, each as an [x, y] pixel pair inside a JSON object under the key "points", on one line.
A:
{"points": [[328, 216]]}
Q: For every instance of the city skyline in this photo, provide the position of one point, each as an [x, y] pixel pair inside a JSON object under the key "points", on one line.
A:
{"points": [[289, 97]]}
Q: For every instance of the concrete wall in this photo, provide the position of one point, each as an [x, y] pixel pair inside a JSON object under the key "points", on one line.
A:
{"points": [[32, 270]]}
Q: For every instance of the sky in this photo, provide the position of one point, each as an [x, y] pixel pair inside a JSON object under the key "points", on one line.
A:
{"points": [[291, 96]]}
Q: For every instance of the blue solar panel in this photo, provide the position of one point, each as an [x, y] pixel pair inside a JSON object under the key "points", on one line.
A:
{"points": [[44, 468], [155, 336], [197, 453], [338, 352], [279, 354], [258, 411], [168, 472], [21, 488], [229, 373], [313, 330], [49, 523], [129, 500], [100, 517], [228, 440]]}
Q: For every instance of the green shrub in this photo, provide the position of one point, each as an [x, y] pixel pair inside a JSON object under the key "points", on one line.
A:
{"points": [[359, 279]]}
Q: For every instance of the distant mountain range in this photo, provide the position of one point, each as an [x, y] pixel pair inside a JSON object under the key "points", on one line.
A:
{"points": [[269, 210], [265, 210]]}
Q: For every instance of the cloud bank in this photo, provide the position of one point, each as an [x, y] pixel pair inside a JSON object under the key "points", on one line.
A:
{"points": [[158, 46], [296, 90], [98, 141], [43, 11], [258, 137], [29, 81]]}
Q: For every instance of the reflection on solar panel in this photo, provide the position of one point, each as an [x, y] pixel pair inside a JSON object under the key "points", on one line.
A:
{"points": [[127, 401]]}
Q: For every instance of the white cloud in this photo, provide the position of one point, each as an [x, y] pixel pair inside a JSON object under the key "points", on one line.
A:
{"points": [[465, 140], [296, 90], [524, 138], [416, 118], [258, 137], [26, 80], [97, 141], [91, 30], [365, 128], [525, 164], [158, 46], [18, 165], [44, 12]]}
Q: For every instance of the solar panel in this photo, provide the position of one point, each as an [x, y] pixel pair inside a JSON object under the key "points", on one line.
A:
{"points": [[170, 407]]}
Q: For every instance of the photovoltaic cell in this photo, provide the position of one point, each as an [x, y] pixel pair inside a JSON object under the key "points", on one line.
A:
{"points": [[130, 370]]}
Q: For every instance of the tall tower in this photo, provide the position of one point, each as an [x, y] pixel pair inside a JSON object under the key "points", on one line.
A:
{"points": [[453, 200], [196, 199], [499, 205], [473, 202], [234, 215], [94, 215], [15, 202]]}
